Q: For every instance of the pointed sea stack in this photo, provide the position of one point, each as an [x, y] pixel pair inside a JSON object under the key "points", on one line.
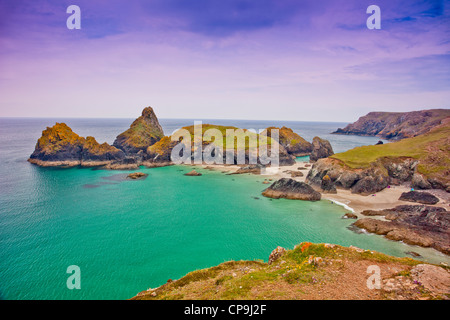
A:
{"points": [[143, 132]]}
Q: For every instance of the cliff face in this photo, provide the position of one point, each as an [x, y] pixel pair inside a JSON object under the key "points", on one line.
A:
{"points": [[143, 132], [59, 145], [396, 125], [422, 161]]}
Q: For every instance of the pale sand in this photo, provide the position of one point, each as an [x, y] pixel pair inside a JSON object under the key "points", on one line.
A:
{"points": [[385, 199]]}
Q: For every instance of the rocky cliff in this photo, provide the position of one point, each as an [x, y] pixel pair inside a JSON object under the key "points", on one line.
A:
{"points": [[422, 162], [309, 272], [396, 125], [60, 146]]}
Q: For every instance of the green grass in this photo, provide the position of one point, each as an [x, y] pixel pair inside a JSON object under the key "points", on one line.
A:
{"points": [[417, 148]]}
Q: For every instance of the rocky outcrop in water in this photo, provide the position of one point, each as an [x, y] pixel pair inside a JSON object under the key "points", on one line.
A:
{"points": [[143, 132], [420, 225], [396, 125], [321, 148], [291, 189], [60, 146]]}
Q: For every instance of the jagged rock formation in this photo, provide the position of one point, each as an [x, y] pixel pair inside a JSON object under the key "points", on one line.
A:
{"points": [[291, 189], [321, 148], [143, 132], [292, 142], [60, 146], [396, 125], [421, 225]]}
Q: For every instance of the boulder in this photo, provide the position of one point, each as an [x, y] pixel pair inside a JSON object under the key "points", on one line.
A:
{"points": [[276, 254], [433, 278], [420, 197], [327, 185], [291, 189], [321, 149]]}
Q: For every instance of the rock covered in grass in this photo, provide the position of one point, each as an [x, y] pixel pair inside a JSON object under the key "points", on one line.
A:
{"points": [[59, 145], [143, 132]]}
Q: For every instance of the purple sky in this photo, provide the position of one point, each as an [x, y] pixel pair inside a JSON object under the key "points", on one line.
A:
{"points": [[253, 59]]}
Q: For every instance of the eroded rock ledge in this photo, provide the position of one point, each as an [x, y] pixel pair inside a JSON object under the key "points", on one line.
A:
{"points": [[420, 225]]}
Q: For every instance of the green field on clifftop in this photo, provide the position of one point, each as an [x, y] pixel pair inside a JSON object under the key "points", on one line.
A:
{"points": [[431, 149]]}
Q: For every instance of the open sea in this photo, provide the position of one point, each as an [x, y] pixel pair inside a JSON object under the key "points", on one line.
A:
{"points": [[128, 236]]}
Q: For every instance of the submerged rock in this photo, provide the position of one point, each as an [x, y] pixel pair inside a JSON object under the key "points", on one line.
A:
{"points": [[193, 173], [137, 175], [291, 189]]}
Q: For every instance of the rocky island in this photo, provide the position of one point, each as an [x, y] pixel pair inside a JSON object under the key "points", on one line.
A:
{"points": [[60, 146]]}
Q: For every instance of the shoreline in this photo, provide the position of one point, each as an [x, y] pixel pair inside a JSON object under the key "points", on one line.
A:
{"points": [[356, 203]]}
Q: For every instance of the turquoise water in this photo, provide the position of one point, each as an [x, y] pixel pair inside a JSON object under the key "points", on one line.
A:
{"points": [[127, 236]]}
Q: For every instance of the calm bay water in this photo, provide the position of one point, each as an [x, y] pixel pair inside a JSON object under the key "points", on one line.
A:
{"points": [[127, 236]]}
